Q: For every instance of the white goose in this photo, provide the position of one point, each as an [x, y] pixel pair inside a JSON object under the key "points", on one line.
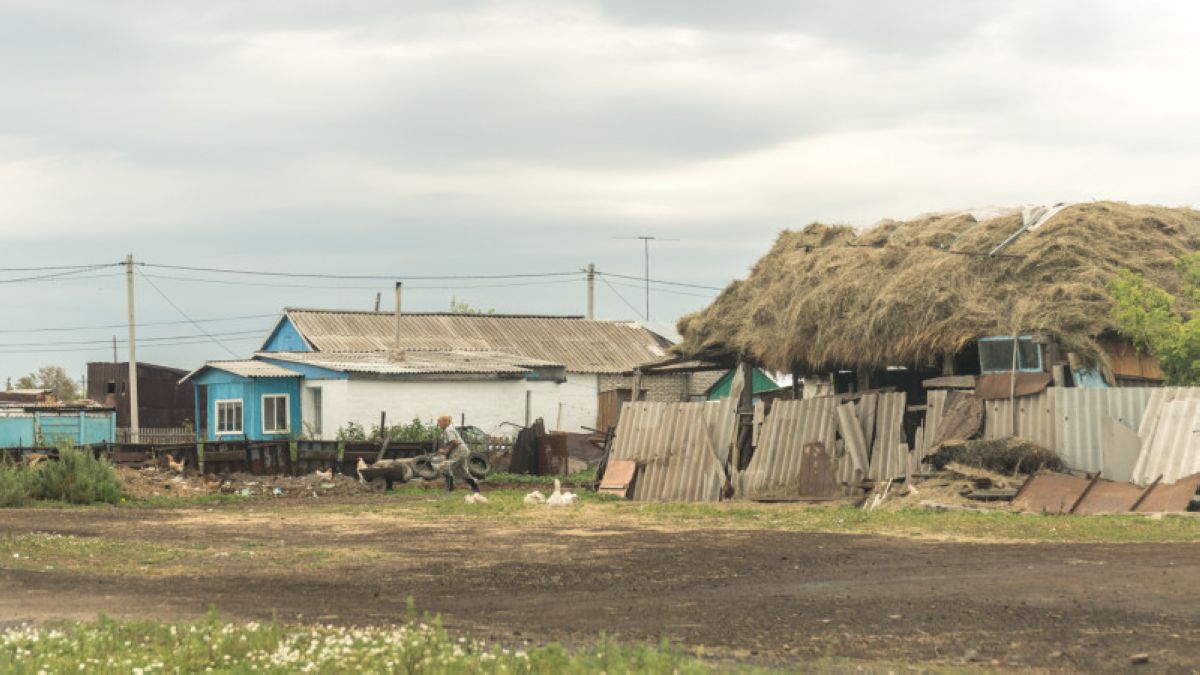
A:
{"points": [[560, 498]]}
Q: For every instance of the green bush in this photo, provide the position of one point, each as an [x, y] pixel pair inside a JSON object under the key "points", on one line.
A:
{"points": [[14, 485], [77, 477]]}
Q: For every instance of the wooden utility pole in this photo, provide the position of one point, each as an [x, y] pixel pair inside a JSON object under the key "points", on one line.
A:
{"points": [[133, 380], [378, 297], [591, 290]]}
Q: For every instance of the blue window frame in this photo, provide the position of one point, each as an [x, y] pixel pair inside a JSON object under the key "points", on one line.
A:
{"points": [[996, 354]]}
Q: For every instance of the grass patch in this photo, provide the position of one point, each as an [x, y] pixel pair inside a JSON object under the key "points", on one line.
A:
{"points": [[153, 647], [43, 550], [579, 478], [997, 526]]}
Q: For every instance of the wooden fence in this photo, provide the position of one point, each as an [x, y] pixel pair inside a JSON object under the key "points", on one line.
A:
{"points": [[157, 435]]}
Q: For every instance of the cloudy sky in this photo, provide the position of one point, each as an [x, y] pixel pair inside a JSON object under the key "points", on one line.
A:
{"points": [[456, 138]]}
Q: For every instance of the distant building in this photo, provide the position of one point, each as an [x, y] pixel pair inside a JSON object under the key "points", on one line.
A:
{"points": [[163, 402], [319, 370]]}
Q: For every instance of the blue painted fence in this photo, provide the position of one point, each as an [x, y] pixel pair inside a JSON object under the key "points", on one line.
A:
{"points": [[82, 428]]}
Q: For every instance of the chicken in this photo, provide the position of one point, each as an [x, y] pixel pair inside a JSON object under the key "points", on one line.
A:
{"points": [[33, 459], [327, 474], [476, 498], [177, 467], [560, 498], [362, 464], [535, 497]]}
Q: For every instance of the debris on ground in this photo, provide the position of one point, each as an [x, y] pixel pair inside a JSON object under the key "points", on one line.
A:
{"points": [[1009, 456], [154, 482]]}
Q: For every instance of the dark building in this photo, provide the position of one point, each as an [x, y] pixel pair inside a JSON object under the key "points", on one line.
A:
{"points": [[162, 401]]}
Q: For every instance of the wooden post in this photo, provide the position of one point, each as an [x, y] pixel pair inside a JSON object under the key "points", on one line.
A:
{"points": [[795, 384], [591, 290], [637, 385], [133, 380], [745, 412], [948, 364]]}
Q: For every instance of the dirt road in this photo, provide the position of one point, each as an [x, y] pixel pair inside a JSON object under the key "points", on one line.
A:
{"points": [[758, 595]]}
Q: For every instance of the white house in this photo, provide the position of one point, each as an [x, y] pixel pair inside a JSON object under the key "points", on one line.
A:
{"points": [[348, 366]]}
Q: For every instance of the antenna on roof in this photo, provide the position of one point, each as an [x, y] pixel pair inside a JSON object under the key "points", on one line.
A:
{"points": [[646, 247], [378, 297]]}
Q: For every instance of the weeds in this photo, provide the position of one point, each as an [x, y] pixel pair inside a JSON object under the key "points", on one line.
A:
{"points": [[14, 485]]}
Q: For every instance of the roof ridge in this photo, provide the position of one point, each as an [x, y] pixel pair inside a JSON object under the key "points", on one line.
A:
{"points": [[568, 317]]}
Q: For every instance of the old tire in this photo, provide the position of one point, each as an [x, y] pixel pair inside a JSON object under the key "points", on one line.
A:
{"points": [[423, 468], [478, 466]]}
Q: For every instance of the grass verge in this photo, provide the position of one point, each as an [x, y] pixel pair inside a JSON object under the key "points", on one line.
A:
{"points": [[145, 647]]}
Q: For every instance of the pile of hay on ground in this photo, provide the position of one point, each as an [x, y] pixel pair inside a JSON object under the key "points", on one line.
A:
{"points": [[909, 292], [1008, 456]]}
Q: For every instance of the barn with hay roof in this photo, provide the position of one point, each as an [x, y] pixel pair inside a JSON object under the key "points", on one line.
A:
{"points": [[943, 295]]}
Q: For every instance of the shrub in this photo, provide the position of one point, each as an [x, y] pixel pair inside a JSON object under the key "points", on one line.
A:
{"points": [[77, 477], [14, 485]]}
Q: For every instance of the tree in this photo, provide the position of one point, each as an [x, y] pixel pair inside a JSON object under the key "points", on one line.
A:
{"points": [[53, 378], [1157, 324], [461, 307]]}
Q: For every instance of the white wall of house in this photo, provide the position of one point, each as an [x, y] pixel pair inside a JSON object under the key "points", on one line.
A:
{"points": [[486, 403]]}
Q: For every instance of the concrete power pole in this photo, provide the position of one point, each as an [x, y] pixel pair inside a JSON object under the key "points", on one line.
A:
{"points": [[591, 290], [133, 380]]}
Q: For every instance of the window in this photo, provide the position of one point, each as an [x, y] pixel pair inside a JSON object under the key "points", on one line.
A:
{"points": [[275, 414], [314, 412], [110, 387], [996, 354], [229, 416]]}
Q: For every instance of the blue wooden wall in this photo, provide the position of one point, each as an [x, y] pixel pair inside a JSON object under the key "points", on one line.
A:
{"points": [[285, 338], [224, 386]]}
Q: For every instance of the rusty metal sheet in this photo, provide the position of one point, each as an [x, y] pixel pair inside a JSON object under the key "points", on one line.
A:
{"points": [[774, 471], [1108, 496], [935, 410], [1171, 498], [866, 407], [1050, 493], [1170, 437], [889, 453], [1034, 419]]}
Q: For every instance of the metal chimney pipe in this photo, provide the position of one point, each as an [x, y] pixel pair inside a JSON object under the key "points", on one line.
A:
{"points": [[397, 353]]}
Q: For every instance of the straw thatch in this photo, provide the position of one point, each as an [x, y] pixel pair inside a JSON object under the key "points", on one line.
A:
{"points": [[907, 293]]}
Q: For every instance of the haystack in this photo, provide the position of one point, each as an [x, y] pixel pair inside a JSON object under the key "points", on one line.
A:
{"points": [[908, 293]]}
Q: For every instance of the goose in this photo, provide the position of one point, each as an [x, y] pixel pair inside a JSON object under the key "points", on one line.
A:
{"points": [[535, 497], [560, 498], [361, 465]]}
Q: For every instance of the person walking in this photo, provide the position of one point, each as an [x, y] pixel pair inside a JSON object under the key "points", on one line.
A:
{"points": [[456, 452]]}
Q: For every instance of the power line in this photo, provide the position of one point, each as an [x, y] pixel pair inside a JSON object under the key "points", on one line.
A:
{"points": [[109, 347], [184, 315], [618, 294], [59, 329], [57, 275], [664, 290], [227, 282], [57, 267], [386, 277], [124, 341], [661, 281]]}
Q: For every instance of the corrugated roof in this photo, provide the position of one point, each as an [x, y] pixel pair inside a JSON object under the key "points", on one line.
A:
{"points": [[416, 362], [246, 368], [581, 345]]}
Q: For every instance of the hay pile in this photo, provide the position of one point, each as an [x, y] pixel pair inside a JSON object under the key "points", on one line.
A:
{"points": [[1008, 456], [901, 293]]}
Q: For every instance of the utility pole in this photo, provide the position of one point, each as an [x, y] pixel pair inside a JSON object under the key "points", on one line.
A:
{"points": [[133, 380], [397, 354], [378, 297], [591, 290]]}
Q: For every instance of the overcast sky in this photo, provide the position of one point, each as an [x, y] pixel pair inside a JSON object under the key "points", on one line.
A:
{"points": [[447, 137]]}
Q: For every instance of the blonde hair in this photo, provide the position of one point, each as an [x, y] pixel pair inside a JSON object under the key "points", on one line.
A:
{"points": [[448, 419]]}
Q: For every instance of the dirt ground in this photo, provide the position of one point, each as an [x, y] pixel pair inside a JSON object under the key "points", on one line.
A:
{"points": [[754, 595]]}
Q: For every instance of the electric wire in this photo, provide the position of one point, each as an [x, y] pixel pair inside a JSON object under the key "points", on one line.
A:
{"points": [[618, 294], [122, 341], [660, 281], [407, 287], [387, 277], [184, 315], [59, 329], [109, 348]]}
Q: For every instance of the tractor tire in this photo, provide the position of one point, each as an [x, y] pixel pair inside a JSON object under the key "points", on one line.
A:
{"points": [[423, 467], [478, 466]]}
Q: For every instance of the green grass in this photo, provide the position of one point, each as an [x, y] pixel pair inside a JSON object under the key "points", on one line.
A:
{"points": [[42, 550], [507, 506], [579, 478], [152, 647]]}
